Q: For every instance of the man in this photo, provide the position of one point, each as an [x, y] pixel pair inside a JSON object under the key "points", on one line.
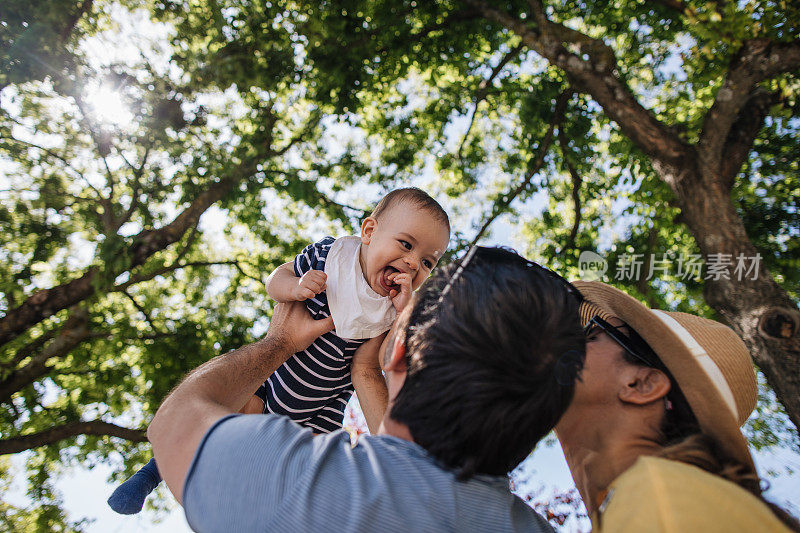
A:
{"points": [[481, 365]]}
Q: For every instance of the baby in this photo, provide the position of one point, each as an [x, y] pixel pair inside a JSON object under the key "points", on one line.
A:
{"points": [[363, 282]]}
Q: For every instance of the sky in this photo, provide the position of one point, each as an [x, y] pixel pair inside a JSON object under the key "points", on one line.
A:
{"points": [[85, 491]]}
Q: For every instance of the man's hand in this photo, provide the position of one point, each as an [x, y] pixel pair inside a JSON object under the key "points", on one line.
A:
{"points": [[400, 297], [311, 284], [292, 329], [221, 386]]}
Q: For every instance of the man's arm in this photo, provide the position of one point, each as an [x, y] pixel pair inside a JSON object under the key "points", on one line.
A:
{"points": [[368, 382], [221, 386]]}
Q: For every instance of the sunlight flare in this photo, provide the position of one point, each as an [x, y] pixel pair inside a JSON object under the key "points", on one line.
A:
{"points": [[108, 105]]}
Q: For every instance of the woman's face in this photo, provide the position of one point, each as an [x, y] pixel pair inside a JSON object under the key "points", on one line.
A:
{"points": [[603, 367]]}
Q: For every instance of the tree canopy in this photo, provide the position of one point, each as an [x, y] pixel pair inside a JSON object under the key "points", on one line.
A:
{"points": [[158, 163]]}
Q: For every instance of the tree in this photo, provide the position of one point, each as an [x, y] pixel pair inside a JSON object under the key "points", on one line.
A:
{"points": [[694, 102], [110, 282], [136, 237], [34, 37]]}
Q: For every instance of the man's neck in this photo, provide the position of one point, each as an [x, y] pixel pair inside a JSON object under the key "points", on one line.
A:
{"points": [[597, 456], [394, 428]]}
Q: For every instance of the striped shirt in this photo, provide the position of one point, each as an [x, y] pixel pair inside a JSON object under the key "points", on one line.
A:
{"points": [[265, 473], [313, 386]]}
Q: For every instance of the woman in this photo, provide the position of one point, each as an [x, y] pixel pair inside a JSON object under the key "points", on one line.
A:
{"points": [[652, 437]]}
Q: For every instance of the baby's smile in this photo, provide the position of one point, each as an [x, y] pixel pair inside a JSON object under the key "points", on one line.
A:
{"points": [[387, 284]]}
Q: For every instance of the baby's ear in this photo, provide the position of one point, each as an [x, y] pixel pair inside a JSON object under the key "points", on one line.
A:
{"points": [[367, 228]]}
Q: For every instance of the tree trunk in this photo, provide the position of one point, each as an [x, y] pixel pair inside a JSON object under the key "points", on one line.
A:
{"points": [[759, 310]]}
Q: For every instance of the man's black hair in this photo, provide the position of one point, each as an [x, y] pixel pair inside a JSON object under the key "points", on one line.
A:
{"points": [[481, 387]]}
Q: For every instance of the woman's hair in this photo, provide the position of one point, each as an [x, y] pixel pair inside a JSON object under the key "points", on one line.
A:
{"points": [[683, 441]]}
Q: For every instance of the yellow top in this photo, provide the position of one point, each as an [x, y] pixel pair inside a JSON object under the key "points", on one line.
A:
{"points": [[667, 496]]}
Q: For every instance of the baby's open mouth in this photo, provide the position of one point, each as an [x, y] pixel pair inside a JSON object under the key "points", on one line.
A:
{"points": [[386, 283]]}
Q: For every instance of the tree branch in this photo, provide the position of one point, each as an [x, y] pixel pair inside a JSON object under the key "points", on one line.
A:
{"points": [[54, 155], [175, 266], [103, 147], [593, 70], [245, 274], [301, 135], [72, 429], [73, 20], [576, 188], [74, 332], [141, 309], [757, 60], [46, 302], [25, 352], [186, 247], [743, 133], [483, 90], [137, 187], [106, 217], [534, 165]]}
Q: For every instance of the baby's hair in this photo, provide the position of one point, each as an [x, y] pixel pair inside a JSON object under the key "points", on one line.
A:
{"points": [[414, 196]]}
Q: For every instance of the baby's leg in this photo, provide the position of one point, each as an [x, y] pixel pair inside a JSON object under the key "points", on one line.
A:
{"points": [[129, 497]]}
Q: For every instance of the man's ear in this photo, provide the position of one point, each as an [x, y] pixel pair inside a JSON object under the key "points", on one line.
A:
{"points": [[644, 385], [367, 228], [395, 360]]}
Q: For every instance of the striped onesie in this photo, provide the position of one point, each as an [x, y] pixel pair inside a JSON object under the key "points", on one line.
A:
{"points": [[313, 386]]}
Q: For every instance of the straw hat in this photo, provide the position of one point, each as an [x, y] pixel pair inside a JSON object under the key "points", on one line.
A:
{"points": [[710, 363]]}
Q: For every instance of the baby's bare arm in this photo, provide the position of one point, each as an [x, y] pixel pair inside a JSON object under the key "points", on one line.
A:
{"points": [[369, 383], [254, 406], [283, 286]]}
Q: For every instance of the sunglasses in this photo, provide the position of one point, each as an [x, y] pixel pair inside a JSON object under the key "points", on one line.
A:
{"points": [[501, 254], [631, 343]]}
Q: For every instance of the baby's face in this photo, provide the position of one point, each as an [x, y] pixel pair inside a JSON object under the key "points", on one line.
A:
{"points": [[406, 239]]}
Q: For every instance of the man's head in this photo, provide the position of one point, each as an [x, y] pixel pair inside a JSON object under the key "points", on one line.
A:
{"points": [[407, 232], [482, 359]]}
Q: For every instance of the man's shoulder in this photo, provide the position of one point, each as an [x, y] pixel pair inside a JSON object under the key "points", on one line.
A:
{"points": [[267, 470], [416, 480]]}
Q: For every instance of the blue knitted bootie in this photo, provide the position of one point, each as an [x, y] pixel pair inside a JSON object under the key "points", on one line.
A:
{"points": [[129, 497]]}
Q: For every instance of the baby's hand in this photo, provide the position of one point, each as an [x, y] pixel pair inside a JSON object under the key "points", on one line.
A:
{"points": [[311, 284], [400, 297]]}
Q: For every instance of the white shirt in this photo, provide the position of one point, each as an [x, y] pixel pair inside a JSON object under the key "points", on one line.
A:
{"points": [[358, 311]]}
